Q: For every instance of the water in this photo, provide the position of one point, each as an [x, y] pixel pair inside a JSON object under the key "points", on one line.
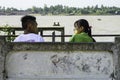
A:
{"points": [[100, 24]]}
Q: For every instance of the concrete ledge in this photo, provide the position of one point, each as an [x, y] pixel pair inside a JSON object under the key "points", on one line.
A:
{"points": [[62, 46]]}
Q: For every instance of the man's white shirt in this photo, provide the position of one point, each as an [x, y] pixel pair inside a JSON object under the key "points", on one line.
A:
{"points": [[31, 37]]}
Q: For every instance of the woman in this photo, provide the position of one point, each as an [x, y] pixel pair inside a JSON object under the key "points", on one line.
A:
{"points": [[82, 32]]}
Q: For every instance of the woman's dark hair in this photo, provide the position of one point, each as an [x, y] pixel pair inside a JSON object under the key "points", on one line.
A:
{"points": [[25, 19], [85, 24]]}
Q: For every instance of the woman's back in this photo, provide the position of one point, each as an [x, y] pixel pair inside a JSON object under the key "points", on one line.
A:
{"points": [[82, 37]]}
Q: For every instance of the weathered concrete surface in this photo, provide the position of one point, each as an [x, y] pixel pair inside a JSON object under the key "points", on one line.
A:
{"points": [[63, 61], [59, 64], [116, 51], [3, 52]]}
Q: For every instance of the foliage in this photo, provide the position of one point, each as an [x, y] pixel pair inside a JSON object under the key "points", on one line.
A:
{"points": [[7, 29], [64, 10]]}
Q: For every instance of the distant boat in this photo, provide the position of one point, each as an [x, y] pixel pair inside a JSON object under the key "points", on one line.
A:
{"points": [[99, 19], [56, 24]]}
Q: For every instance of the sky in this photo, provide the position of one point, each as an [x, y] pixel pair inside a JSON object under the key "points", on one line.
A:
{"points": [[25, 4]]}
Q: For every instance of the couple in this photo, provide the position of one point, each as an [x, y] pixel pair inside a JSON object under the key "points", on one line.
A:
{"points": [[29, 24]]}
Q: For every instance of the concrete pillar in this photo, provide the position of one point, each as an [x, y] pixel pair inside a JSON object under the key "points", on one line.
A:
{"points": [[116, 51], [2, 58]]}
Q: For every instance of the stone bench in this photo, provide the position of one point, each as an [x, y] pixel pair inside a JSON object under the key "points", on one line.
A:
{"points": [[60, 61]]}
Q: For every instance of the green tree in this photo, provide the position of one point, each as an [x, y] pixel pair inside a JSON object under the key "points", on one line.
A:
{"points": [[46, 9]]}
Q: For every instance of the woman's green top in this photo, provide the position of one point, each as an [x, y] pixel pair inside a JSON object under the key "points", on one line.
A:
{"points": [[82, 37]]}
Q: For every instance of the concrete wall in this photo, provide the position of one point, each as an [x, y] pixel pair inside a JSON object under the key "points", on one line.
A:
{"points": [[60, 61], [2, 58]]}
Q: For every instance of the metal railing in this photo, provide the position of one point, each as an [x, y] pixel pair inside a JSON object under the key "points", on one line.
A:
{"points": [[14, 30]]}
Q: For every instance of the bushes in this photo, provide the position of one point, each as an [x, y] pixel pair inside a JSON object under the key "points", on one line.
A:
{"points": [[7, 31]]}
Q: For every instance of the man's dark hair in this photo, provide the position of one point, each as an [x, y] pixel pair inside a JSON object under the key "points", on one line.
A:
{"points": [[25, 19]]}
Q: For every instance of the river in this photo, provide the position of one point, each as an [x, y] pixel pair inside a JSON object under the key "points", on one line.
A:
{"points": [[100, 24]]}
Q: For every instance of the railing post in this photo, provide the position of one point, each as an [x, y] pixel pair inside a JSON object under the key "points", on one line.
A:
{"points": [[53, 36], [41, 32], [62, 35]]}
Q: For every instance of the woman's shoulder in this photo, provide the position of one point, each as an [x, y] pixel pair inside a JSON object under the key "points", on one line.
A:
{"points": [[81, 34]]}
